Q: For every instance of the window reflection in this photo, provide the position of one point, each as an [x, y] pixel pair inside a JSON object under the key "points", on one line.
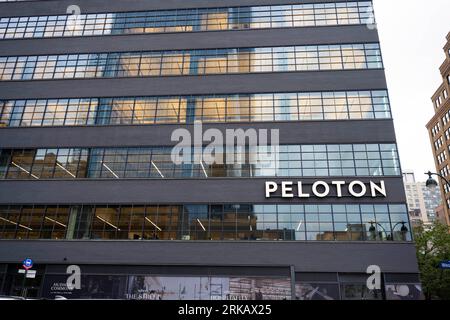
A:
{"points": [[214, 20], [186, 109], [186, 20], [137, 221], [150, 65], [48, 164], [192, 62], [105, 223], [119, 163], [211, 109], [230, 222]]}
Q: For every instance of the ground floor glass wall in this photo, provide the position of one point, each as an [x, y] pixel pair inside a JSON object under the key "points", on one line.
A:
{"points": [[119, 282]]}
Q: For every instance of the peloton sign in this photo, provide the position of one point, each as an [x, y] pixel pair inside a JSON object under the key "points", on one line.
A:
{"points": [[322, 189]]}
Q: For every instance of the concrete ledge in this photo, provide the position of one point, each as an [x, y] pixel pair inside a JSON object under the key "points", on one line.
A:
{"points": [[305, 257]]}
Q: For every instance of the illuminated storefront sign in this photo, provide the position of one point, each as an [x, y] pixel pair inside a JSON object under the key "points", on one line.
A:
{"points": [[322, 189]]}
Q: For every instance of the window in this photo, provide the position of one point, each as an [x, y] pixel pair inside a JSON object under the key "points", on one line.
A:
{"points": [[438, 101], [236, 222], [403, 291], [442, 157], [446, 118], [359, 291], [47, 164], [192, 62], [445, 171], [438, 143], [437, 128], [317, 291], [303, 106], [156, 162], [186, 20]]}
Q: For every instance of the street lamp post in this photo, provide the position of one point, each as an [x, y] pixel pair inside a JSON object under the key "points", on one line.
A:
{"points": [[431, 183]]}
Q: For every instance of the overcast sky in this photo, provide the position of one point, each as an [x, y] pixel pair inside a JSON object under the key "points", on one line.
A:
{"points": [[412, 34]]}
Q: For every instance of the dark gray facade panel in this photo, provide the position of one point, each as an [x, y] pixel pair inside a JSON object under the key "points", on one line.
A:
{"points": [[314, 132], [187, 85], [305, 257], [197, 40], [176, 270], [94, 6], [176, 191]]}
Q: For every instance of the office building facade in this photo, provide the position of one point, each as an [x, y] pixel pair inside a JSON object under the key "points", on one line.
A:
{"points": [[422, 202], [439, 131], [92, 92]]}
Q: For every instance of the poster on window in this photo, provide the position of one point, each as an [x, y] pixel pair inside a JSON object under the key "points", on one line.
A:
{"points": [[404, 292], [207, 288], [92, 287], [316, 291]]}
